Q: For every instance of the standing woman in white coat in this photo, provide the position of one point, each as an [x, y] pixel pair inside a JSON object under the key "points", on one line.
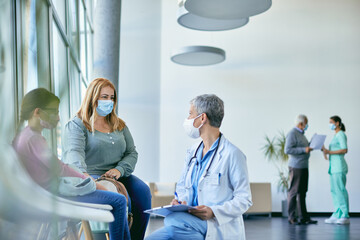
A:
{"points": [[214, 180]]}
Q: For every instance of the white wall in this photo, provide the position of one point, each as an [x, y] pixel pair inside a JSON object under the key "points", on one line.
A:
{"points": [[139, 83], [298, 57]]}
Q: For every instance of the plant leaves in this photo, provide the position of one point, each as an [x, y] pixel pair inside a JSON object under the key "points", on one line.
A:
{"points": [[274, 151]]}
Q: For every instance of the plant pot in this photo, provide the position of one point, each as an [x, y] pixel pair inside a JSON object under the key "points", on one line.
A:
{"points": [[284, 208]]}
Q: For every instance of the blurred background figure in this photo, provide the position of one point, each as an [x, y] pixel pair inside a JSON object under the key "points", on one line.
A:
{"points": [[338, 170], [297, 147]]}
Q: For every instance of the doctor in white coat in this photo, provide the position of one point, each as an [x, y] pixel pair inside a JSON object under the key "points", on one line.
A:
{"points": [[214, 179]]}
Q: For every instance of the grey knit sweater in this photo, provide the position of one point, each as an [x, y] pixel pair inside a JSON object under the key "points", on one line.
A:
{"points": [[295, 146]]}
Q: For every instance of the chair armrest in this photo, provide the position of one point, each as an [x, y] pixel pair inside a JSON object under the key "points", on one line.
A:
{"points": [[90, 205]]}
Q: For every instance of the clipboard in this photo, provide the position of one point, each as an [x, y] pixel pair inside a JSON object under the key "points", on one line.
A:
{"points": [[163, 211], [317, 141]]}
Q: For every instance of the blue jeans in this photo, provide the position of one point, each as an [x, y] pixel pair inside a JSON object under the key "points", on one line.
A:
{"points": [[118, 229], [180, 226], [140, 197]]}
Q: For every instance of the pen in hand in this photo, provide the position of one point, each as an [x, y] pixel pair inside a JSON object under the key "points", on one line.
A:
{"points": [[177, 197]]}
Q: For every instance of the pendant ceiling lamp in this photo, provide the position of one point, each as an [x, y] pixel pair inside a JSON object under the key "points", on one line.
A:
{"points": [[196, 22], [227, 9], [198, 55]]}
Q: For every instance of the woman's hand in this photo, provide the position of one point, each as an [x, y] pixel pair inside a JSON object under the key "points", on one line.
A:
{"points": [[203, 212], [113, 173], [325, 152], [325, 156]]}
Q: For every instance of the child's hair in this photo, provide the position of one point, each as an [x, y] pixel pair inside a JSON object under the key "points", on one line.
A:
{"points": [[37, 98]]}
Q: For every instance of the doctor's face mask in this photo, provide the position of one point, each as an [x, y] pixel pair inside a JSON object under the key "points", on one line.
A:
{"points": [[189, 128]]}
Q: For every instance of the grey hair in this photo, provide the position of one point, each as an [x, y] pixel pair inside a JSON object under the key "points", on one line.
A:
{"points": [[300, 119], [212, 105]]}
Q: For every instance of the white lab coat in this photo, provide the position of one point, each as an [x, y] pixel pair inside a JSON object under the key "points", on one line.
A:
{"points": [[225, 190]]}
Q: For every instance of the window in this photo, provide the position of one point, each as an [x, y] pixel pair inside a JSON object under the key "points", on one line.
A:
{"points": [[83, 45], [75, 99], [89, 37], [60, 7], [51, 48], [61, 82], [40, 47], [31, 80], [70, 58], [7, 72], [73, 30], [35, 62]]}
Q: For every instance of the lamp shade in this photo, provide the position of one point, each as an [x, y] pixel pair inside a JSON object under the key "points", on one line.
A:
{"points": [[227, 9], [198, 55], [196, 22]]}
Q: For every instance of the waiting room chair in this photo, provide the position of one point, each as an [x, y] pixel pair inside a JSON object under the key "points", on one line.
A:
{"points": [[24, 200]]}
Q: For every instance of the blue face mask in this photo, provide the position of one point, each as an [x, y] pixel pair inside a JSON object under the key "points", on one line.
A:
{"points": [[332, 126], [306, 127], [104, 107]]}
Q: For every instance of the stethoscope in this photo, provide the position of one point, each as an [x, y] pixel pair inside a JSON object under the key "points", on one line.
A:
{"points": [[195, 156]]}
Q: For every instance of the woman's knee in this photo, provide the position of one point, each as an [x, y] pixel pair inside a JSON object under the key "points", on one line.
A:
{"points": [[142, 186], [146, 191], [120, 200], [142, 189]]}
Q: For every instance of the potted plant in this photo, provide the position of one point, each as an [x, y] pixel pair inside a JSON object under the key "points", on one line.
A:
{"points": [[274, 151]]}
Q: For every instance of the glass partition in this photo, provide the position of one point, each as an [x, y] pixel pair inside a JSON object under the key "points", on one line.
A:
{"points": [[61, 83]]}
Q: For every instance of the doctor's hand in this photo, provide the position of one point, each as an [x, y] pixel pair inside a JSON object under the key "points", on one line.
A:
{"points": [[203, 212], [176, 202]]}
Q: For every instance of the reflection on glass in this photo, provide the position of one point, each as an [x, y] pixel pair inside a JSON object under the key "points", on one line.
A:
{"points": [[61, 83]]}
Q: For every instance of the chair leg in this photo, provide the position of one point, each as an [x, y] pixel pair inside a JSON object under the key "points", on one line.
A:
{"points": [[107, 236], [87, 230], [71, 231], [80, 231], [43, 231]]}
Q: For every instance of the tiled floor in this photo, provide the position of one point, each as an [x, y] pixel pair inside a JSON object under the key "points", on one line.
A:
{"points": [[277, 228]]}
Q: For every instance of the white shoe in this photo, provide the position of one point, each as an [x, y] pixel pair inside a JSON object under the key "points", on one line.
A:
{"points": [[343, 221], [331, 220]]}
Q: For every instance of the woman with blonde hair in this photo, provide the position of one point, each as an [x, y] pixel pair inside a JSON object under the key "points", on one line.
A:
{"points": [[99, 143]]}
